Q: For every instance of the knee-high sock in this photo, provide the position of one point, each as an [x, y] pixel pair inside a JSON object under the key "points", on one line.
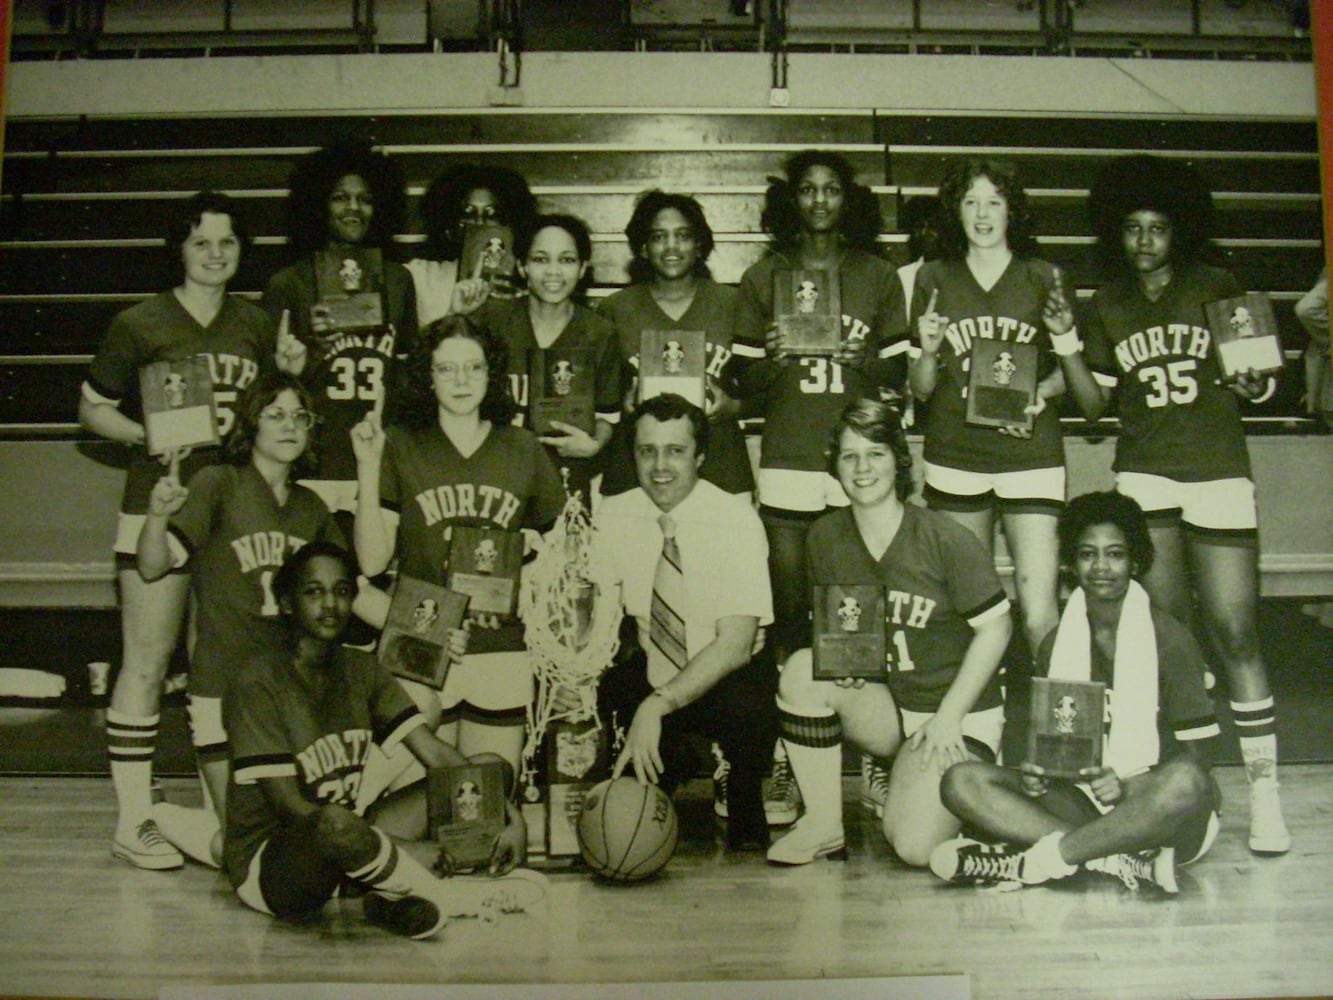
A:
{"points": [[814, 750], [1256, 723], [194, 831], [130, 743]]}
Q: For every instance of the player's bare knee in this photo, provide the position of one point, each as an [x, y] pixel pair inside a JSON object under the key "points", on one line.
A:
{"points": [[1184, 787], [962, 785], [913, 847], [344, 836], [796, 682]]}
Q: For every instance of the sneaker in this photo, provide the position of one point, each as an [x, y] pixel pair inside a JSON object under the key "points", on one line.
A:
{"points": [[805, 842], [485, 896], [721, 771], [409, 916], [1156, 867], [874, 784], [970, 862], [147, 849], [1268, 830], [782, 799]]}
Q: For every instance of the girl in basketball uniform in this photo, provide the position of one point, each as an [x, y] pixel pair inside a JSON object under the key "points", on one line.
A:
{"points": [[673, 290], [553, 259], [195, 317], [989, 285], [462, 196], [1181, 450], [457, 459], [233, 526]]}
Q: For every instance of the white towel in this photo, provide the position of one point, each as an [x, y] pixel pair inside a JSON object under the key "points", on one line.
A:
{"points": [[1132, 744], [17, 682]]}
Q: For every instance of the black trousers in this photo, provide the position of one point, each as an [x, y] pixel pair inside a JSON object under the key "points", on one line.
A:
{"points": [[740, 713]]}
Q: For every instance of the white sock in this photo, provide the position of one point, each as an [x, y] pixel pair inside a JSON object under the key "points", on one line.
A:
{"points": [[1043, 862], [194, 831]]}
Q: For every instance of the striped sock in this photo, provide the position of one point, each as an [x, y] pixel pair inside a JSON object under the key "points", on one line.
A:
{"points": [[1256, 723], [814, 751], [130, 743]]}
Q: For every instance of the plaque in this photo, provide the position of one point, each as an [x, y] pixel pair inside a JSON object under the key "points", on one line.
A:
{"points": [[349, 286], [807, 308], [673, 361], [577, 758], [465, 810], [1067, 725], [560, 387], [1001, 383], [484, 564], [849, 633], [1244, 332], [178, 406], [488, 253], [415, 640]]}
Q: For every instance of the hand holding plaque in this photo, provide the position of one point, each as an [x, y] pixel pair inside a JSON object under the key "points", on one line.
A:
{"points": [[178, 407], [673, 361], [485, 565], [1244, 332], [415, 640], [807, 309], [349, 286], [465, 812], [1067, 726], [1001, 384], [560, 387], [488, 254], [850, 638]]}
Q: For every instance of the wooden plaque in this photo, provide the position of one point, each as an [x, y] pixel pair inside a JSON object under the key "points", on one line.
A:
{"points": [[1001, 383], [560, 387], [484, 564], [1244, 332], [673, 361], [178, 406], [849, 632], [415, 640], [577, 758], [1067, 725], [349, 287], [807, 307], [465, 810], [488, 252]]}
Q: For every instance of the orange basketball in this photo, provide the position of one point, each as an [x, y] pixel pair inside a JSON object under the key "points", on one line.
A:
{"points": [[627, 831]]}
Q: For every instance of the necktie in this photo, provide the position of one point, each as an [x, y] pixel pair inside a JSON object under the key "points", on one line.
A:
{"points": [[667, 652]]}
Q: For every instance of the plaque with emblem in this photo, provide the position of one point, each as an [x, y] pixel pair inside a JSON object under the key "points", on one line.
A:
{"points": [[415, 641], [349, 289], [1244, 332], [849, 632], [577, 758], [673, 361], [484, 564], [465, 811], [1001, 383], [488, 253], [807, 307], [1067, 725], [178, 406], [560, 387]]}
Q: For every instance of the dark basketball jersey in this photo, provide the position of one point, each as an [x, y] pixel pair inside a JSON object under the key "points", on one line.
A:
{"points": [[1175, 420], [939, 581], [238, 344]]}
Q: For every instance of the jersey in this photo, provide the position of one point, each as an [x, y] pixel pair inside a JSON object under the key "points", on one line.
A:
{"points": [[633, 310], [239, 345], [508, 483], [278, 728], [1175, 420], [801, 398], [1011, 311], [940, 585], [1185, 711], [236, 536], [345, 371]]}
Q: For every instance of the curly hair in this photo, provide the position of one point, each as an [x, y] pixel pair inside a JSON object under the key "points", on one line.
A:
{"points": [[187, 219], [958, 178], [316, 176], [253, 400], [1109, 507], [288, 576], [881, 421], [441, 207], [858, 226], [1130, 184], [639, 231], [418, 406]]}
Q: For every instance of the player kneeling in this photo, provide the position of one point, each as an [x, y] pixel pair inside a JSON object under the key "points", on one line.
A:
{"points": [[301, 722], [1152, 801]]}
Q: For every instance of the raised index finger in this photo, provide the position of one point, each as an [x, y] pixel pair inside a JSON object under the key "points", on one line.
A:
{"points": [[934, 297], [378, 409]]}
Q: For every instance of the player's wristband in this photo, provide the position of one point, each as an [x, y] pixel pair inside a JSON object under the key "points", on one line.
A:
{"points": [[1065, 344]]}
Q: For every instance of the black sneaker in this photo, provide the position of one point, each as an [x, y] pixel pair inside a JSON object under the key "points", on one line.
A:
{"points": [[410, 916]]}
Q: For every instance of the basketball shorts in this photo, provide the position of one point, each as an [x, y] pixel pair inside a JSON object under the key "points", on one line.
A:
{"points": [[1024, 491], [799, 489], [1225, 505], [981, 729]]}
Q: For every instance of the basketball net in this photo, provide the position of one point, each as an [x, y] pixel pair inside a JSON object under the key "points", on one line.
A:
{"points": [[570, 631]]}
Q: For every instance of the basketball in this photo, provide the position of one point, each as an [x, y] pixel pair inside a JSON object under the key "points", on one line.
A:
{"points": [[627, 831]]}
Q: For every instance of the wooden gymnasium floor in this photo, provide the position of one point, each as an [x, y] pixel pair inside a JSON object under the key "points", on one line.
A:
{"points": [[76, 922]]}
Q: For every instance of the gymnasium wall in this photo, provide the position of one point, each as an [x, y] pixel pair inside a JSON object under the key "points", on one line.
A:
{"points": [[59, 494]]}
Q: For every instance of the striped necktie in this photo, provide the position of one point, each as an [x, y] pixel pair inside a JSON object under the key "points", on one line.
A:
{"points": [[667, 652]]}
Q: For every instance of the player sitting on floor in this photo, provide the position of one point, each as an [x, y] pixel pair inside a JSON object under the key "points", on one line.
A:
{"points": [[301, 722], [1152, 800]]}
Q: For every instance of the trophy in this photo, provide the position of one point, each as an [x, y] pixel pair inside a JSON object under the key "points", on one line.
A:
{"points": [[349, 283], [1067, 725], [178, 406], [415, 640], [808, 310], [1001, 383], [673, 361], [465, 811], [560, 387], [1244, 331], [484, 564], [849, 633]]}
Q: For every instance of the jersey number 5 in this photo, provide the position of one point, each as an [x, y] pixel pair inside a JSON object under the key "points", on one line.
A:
{"points": [[1173, 383]]}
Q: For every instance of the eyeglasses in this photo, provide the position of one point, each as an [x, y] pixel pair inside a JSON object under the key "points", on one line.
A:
{"points": [[303, 419], [479, 213], [470, 369]]}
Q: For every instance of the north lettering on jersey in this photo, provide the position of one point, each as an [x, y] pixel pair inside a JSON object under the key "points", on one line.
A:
{"points": [[477, 501], [910, 610], [1172, 340], [380, 343], [264, 548], [334, 753], [960, 334], [231, 370]]}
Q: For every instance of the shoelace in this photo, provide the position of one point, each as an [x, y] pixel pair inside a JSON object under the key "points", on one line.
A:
{"points": [[150, 835], [986, 865], [1131, 868], [723, 767], [782, 787]]}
